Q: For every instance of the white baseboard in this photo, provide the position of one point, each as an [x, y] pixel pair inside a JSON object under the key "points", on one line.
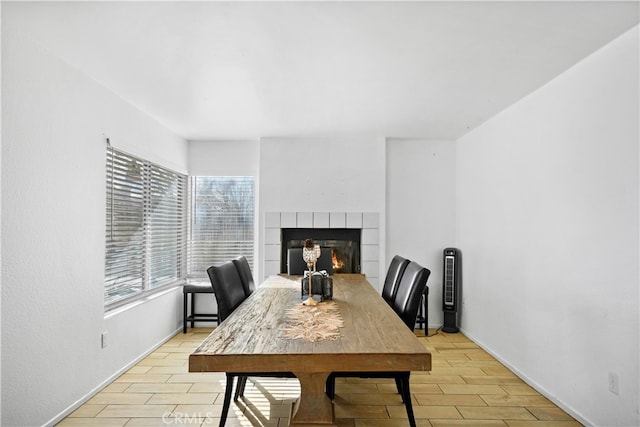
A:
{"points": [[55, 420], [558, 402]]}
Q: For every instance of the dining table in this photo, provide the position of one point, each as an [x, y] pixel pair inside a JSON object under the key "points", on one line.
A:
{"points": [[272, 331]]}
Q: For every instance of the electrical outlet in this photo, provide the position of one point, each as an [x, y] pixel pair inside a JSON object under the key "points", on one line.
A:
{"points": [[103, 339], [614, 385]]}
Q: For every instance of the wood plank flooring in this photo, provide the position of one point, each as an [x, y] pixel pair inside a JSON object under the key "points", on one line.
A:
{"points": [[466, 387]]}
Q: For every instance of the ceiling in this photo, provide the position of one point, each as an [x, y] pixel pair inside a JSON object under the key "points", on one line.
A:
{"points": [[237, 70]]}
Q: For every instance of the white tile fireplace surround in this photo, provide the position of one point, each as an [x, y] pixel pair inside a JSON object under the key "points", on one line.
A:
{"points": [[367, 222]]}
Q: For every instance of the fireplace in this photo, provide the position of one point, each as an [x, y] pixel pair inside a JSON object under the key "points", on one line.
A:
{"points": [[344, 244], [365, 223]]}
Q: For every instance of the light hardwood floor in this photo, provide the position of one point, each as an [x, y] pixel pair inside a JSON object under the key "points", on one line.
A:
{"points": [[466, 387]]}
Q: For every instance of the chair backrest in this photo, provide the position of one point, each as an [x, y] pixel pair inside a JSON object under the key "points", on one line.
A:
{"points": [[295, 264], [244, 269], [409, 293], [228, 288], [325, 262], [391, 281]]}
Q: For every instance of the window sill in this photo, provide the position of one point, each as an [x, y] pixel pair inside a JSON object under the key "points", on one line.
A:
{"points": [[147, 296]]}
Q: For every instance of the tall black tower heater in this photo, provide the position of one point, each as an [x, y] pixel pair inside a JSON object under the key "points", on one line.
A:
{"points": [[450, 289]]}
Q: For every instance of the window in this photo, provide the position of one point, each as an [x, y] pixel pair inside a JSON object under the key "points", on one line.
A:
{"points": [[145, 231], [221, 221]]}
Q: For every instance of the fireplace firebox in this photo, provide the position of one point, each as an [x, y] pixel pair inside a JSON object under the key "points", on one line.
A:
{"points": [[343, 242]]}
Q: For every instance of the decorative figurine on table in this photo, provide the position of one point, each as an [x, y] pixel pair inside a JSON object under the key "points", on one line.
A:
{"points": [[314, 282], [310, 255]]}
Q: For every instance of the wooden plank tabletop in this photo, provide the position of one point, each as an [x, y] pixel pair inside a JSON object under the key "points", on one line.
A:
{"points": [[252, 339]]}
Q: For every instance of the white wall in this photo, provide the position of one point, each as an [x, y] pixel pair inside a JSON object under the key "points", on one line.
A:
{"points": [[547, 221], [0, 237], [53, 219], [333, 174], [224, 158], [421, 208]]}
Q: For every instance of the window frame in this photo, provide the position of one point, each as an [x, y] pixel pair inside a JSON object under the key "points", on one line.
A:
{"points": [[151, 210], [197, 263]]}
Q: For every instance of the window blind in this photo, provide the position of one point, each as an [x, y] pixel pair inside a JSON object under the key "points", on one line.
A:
{"points": [[166, 226], [145, 226], [221, 222]]}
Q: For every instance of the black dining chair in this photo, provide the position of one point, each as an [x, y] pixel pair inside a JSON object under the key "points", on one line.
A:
{"points": [[392, 279], [405, 303], [325, 262], [244, 269], [227, 287], [408, 297], [232, 283], [295, 264]]}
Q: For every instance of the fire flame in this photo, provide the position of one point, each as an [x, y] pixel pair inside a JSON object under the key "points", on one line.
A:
{"points": [[337, 264]]}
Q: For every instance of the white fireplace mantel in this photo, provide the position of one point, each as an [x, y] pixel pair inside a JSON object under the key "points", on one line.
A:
{"points": [[368, 222]]}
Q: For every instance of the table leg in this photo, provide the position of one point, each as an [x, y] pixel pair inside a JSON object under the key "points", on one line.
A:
{"points": [[313, 408]]}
